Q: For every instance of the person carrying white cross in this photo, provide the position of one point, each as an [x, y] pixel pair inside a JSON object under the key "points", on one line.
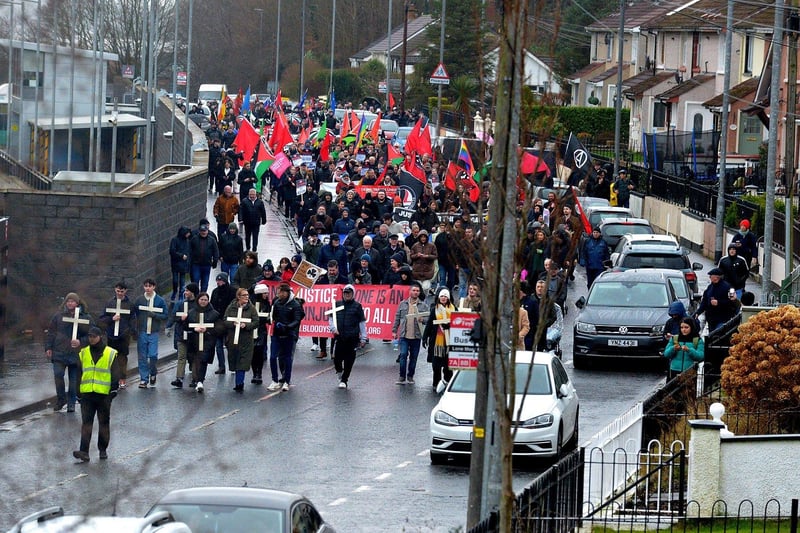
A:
{"points": [[180, 320], [202, 326], [241, 318], [150, 315], [66, 335], [118, 319], [349, 326], [407, 328]]}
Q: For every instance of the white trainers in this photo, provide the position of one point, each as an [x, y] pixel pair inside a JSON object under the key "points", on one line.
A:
{"points": [[342, 385], [315, 347], [199, 387], [274, 386], [285, 387]]}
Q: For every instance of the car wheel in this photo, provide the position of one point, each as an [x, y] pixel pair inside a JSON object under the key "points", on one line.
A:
{"points": [[560, 442], [580, 362], [575, 432], [438, 458]]}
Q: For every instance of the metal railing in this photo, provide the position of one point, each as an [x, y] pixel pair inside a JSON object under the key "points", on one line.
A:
{"points": [[32, 178]]}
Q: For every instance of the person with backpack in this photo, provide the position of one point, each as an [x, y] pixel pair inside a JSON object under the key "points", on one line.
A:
{"points": [[684, 349]]}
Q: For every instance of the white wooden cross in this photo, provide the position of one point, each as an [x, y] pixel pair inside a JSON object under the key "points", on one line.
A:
{"points": [[183, 314], [417, 315], [201, 324], [261, 314], [238, 320], [463, 308], [118, 310], [332, 313], [442, 320], [149, 307], [76, 320]]}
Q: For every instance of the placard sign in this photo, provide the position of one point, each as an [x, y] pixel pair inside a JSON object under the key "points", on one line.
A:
{"points": [[463, 353]]}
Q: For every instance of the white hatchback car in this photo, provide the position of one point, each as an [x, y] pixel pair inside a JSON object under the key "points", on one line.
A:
{"points": [[53, 520], [547, 422]]}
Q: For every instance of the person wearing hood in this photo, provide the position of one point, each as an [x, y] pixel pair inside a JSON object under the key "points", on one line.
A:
{"points": [[240, 347], [100, 372], [334, 251], [181, 332], [287, 314], [247, 274], [211, 330], [349, 328], [436, 337], [735, 269], [677, 312], [180, 253], [745, 241], [61, 348], [423, 258], [392, 275], [231, 250], [312, 247], [221, 298]]}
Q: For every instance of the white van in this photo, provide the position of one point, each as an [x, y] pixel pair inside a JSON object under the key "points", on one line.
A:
{"points": [[211, 91]]}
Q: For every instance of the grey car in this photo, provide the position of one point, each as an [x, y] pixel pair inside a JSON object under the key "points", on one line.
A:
{"points": [[242, 509]]}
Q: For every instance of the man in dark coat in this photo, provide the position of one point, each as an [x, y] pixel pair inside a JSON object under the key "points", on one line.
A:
{"points": [[253, 214], [287, 313], [180, 251], [349, 328], [719, 301], [221, 298], [247, 180]]}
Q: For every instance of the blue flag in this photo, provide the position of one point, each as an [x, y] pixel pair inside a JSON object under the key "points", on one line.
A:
{"points": [[303, 99], [246, 104], [332, 100]]}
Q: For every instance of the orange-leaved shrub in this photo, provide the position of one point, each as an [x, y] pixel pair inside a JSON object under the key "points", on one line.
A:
{"points": [[762, 369]]}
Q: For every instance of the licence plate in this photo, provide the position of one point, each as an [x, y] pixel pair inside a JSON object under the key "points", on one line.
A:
{"points": [[623, 342]]}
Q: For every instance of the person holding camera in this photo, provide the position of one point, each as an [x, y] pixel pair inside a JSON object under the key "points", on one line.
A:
{"points": [[719, 301], [287, 313]]}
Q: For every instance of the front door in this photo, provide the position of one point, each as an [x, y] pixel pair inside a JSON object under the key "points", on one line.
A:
{"points": [[750, 135]]}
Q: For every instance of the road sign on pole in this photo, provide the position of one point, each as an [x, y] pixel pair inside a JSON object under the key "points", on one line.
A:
{"points": [[382, 87], [440, 76]]}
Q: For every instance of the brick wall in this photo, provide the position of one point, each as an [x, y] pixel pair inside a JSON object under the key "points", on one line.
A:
{"points": [[62, 242]]}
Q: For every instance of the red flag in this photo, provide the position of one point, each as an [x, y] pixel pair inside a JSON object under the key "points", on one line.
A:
{"points": [[451, 175], [411, 140], [424, 146], [391, 101], [345, 129], [324, 149], [279, 100], [393, 155], [237, 103], [581, 213], [412, 166], [304, 136], [281, 136], [247, 139], [375, 132], [530, 164]]}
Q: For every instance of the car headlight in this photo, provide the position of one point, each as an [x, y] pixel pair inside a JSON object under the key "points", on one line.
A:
{"points": [[445, 419], [658, 329], [583, 327], [541, 421]]}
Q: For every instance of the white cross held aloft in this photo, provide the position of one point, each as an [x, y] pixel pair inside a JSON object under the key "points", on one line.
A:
{"points": [[118, 310], [417, 315], [149, 307], [183, 315], [261, 314], [238, 320], [332, 313], [76, 321], [201, 324]]}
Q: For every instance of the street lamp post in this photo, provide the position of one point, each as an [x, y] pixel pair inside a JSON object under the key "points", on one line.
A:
{"points": [[618, 98], [333, 40], [260, 26], [277, 46], [302, 51]]}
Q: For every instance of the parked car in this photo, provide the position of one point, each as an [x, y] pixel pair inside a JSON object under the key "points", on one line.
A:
{"points": [[654, 251], [388, 127], [590, 202], [235, 509], [597, 214], [53, 520], [612, 229], [549, 418], [201, 120], [624, 314]]}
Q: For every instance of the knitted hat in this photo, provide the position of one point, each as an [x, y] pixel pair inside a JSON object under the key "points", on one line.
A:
{"points": [[72, 296], [193, 288], [366, 258], [222, 276], [745, 224]]}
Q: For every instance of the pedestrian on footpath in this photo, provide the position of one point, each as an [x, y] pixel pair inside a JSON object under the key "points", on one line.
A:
{"points": [[65, 336], [118, 318], [240, 315], [225, 209], [221, 298], [349, 327], [100, 372], [151, 311], [287, 314], [436, 338], [181, 322], [407, 329], [207, 325]]}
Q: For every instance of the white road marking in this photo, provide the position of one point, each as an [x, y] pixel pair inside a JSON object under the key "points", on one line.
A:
{"points": [[215, 420], [383, 476], [363, 488], [423, 452], [403, 464], [338, 501], [46, 489]]}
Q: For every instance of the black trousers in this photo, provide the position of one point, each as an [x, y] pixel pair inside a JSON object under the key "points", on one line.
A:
{"points": [[344, 355], [257, 364], [94, 403], [441, 369]]}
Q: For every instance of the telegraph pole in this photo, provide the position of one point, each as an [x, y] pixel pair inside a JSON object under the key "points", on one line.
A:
{"points": [[793, 25], [723, 151]]}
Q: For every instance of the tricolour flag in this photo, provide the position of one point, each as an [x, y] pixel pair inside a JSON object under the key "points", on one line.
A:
{"points": [[264, 160]]}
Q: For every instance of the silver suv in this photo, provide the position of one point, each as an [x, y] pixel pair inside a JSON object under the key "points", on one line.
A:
{"points": [[52, 520], [654, 251]]}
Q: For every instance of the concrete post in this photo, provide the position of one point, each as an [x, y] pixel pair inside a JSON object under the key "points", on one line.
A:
{"points": [[704, 464]]}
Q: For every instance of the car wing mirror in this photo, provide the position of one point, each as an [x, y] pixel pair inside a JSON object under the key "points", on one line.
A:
{"points": [[697, 266], [608, 263], [581, 302], [563, 391]]}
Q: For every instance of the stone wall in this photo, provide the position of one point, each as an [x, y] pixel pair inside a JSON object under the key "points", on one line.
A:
{"points": [[61, 242]]}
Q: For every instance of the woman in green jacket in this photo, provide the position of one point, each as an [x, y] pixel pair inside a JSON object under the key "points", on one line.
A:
{"points": [[685, 349]]}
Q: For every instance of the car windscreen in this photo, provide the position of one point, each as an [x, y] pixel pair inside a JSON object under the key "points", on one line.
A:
{"points": [[655, 260], [464, 381], [612, 293], [211, 518], [618, 230], [596, 217]]}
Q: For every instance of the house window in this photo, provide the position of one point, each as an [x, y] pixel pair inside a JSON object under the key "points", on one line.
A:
{"points": [[748, 54], [609, 45], [32, 74], [659, 115], [697, 123], [751, 126]]}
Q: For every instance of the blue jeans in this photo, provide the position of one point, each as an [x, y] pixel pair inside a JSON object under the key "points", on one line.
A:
{"points": [[147, 346], [59, 366], [178, 284], [281, 351], [200, 275], [447, 276], [220, 348], [463, 282], [409, 351], [229, 268]]}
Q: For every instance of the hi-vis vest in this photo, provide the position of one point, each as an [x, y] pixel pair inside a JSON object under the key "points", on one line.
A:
{"points": [[97, 376]]}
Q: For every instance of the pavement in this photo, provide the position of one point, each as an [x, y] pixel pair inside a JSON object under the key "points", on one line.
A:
{"points": [[26, 377]]}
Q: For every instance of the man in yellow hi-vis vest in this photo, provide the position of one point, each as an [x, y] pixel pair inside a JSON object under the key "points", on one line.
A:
{"points": [[100, 375]]}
